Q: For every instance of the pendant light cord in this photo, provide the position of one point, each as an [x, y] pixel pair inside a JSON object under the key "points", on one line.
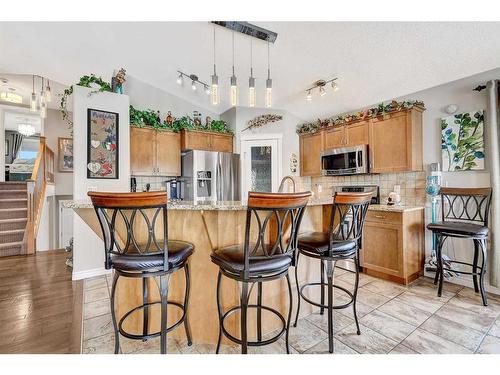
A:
{"points": [[233, 52], [251, 57], [214, 52], [268, 69]]}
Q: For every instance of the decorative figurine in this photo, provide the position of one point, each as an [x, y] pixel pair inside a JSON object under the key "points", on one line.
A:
{"points": [[208, 122], [197, 119], [169, 119], [117, 81]]}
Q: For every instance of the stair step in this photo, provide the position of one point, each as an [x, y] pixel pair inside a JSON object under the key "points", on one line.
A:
{"points": [[13, 224], [13, 202], [8, 194], [13, 213], [10, 236], [10, 248], [13, 186]]}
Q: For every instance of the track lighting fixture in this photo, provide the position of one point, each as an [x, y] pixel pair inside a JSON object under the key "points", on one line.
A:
{"points": [[321, 86], [179, 79]]}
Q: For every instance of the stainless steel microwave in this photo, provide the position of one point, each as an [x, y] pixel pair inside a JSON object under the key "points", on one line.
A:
{"points": [[344, 161]]}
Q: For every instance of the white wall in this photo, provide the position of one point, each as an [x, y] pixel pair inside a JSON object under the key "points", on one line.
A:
{"points": [[145, 96], [88, 249], [55, 127], [47, 231]]}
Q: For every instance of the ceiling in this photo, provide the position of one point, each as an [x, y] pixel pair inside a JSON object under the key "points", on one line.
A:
{"points": [[15, 116], [373, 61]]}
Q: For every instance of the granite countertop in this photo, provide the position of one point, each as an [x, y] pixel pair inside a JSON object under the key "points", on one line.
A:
{"points": [[239, 205]]}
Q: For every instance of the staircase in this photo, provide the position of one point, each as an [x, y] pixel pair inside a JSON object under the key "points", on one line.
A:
{"points": [[13, 217]]}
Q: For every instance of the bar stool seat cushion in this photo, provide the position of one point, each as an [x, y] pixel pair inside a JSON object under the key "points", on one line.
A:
{"points": [[459, 228], [231, 258], [178, 252], [317, 242]]}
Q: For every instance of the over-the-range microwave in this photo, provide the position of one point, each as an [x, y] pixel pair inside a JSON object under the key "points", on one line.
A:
{"points": [[344, 161]]}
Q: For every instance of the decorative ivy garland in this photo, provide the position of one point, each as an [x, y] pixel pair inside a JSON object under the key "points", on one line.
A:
{"points": [[380, 110], [85, 81], [259, 121]]}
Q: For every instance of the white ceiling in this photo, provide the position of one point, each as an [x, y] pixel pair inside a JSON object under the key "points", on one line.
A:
{"points": [[374, 61], [15, 116]]}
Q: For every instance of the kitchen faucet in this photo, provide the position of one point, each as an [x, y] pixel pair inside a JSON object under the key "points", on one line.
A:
{"points": [[282, 183]]}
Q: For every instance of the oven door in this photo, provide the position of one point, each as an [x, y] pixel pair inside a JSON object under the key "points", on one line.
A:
{"points": [[344, 161]]}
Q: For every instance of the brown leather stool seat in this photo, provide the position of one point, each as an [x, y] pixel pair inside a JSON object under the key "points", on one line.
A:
{"points": [[318, 242], [232, 259], [459, 228], [178, 252]]}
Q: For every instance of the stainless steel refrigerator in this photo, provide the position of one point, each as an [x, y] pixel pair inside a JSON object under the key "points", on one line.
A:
{"points": [[210, 176]]}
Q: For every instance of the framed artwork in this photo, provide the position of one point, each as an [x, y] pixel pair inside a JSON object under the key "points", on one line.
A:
{"points": [[462, 142], [102, 144], [7, 147], [65, 154]]}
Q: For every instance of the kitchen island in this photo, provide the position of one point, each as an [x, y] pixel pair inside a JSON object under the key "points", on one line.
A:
{"points": [[209, 226]]}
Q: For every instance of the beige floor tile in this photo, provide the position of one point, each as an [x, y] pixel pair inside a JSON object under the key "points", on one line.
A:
{"points": [[385, 288], [95, 283], [96, 294], [371, 299], [475, 305], [454, 332], [350, 278], [96, 308], [387, 325], [404, 312], [429, 290], [447, 286], [495, 330], [340, 321], [490, 345], [427, 343], [368, 342], [99, 345], [469, 292], [98, 326], [152, 346], [338, 348], [480, 322], [361, 308], [401, 349], [421, 302], [305, 335]]}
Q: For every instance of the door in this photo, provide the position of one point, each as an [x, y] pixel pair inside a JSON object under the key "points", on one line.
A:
{"points": [[222, 143], [335, 138], [311, 146], [357, 134], [261, 165], [169, 153], [142, 151]]}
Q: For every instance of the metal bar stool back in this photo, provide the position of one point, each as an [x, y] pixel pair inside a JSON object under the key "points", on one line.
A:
{"points": [[272, 224], [136, 245], [342, 242], [464, 214]]}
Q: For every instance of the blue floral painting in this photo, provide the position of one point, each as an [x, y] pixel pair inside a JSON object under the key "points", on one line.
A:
{"points": [[462, 142]]}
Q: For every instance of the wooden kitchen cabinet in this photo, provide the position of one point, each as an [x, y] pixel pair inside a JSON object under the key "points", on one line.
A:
{"points": [[311, 146], [396, 142], [154, 153], [347, 135], [207, 141], [393, 245], [334, 138]]}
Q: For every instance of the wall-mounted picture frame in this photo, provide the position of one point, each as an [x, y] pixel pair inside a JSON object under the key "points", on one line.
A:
{"points": [[102, 144], [65, 155]]}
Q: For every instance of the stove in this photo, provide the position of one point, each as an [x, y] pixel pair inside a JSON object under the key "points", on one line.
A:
{"points": [[361, 188]]}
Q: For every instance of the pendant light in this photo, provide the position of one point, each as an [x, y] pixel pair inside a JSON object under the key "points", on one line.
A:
{"points": [[214, 95], [251, 81], [48, 94], [43, 103], [269, 82], [233, 92], [33, 106]]}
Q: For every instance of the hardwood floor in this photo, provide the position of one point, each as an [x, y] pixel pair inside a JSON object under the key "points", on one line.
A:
{"points": [[40, 307]]}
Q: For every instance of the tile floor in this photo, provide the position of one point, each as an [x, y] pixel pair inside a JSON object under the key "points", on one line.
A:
{"points": [[394, 319]]}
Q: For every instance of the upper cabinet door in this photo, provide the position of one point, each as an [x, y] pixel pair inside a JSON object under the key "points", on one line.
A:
{"points": [[142, 151], [357, 134], [222, 142], [192, 140], [335, 137], [169, 153], [311, 146], [390, 144]]}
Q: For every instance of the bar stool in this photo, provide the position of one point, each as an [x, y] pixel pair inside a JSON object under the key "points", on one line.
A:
{"points": [[464, 215], [258, 260], [342, 242], [152, 255]]}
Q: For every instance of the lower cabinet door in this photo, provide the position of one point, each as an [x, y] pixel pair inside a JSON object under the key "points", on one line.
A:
{"points": [[383, 248]]}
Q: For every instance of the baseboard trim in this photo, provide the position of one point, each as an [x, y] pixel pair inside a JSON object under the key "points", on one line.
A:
{"points": [[90, 273]]}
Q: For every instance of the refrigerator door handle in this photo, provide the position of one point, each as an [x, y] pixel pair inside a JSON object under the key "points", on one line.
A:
{"points": [[218, 177]]}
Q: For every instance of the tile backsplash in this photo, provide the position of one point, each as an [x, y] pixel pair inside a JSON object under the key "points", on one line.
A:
{"points": [[156, 182], [412, 185]]}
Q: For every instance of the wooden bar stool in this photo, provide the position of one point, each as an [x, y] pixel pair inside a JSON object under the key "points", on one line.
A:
{"points": [[267, 255], [136, 244], [464, 214], [342, 242]]}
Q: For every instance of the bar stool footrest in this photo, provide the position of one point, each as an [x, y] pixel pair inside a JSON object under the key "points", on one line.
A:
{"points": [[336, 307]]}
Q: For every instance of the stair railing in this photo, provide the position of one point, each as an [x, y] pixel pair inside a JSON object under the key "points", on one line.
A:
{"points": [[43, 173]]}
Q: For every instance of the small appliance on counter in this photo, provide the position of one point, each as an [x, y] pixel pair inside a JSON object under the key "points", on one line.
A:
{"points": [[394, 197], [174, 188], [133, 184], [360, 189]]}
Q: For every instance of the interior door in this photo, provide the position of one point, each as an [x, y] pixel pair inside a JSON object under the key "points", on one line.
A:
{"points": [[261, 159]]}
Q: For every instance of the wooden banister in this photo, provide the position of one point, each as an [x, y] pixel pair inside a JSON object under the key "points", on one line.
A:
{"points": [[43, 173]]}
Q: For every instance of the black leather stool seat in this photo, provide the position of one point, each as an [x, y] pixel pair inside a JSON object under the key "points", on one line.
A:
{"points": [[178, 252], [318, 242], [459, 228], [231, 259]]}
